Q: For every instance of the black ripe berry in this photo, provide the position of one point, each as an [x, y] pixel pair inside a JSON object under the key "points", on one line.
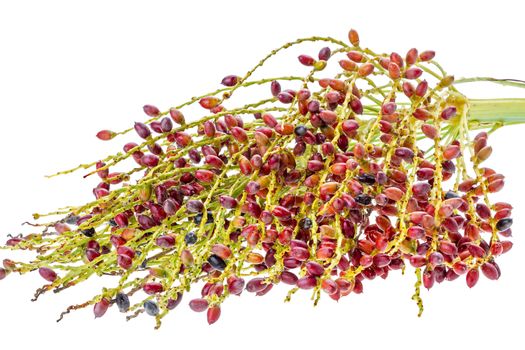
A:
{"points": [[89, 232], [216, 262], [504, 224], [190, 238], [122, 302], [363, 199]]}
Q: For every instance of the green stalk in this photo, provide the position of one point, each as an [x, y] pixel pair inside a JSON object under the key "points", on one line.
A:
{"points": [[496, 112]]}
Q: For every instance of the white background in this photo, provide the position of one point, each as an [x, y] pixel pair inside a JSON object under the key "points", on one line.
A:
{"points": [[71, 68]]}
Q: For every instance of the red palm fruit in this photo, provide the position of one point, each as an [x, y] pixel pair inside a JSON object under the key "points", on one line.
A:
{"points": [[408, 89], [105, 135], [324, 253], [246, 166], [393, 193], [365, 69], [436, 259], [413, 73], [182, 139], [428, 278], [381, 260], [388, 108], [186, 257], [235, 285], [306, 60], [165, 241], [337, 84], [142, 130], [239, 134], [288, 278], [285, 97], [151, 111], [170, 206], [411, 56], [150, 160], [209, 128], [422, 114], [221, 251], [329, 286], [151, 288], [421, 88], [448, 248], [384, 62], [451, 152], [393, 71], [307, 282], [395, 57], [472, 277], [476, 251], [448, 113], [314, 268], [350, 127], [483, 211], [404, 153], [353, 37], [204, 175], [417, 260], [496, 185], [324, 53], [427, 55], [490, 271], [214, 161], [357, 106], [328, 188], [60, 227], [416, 232], [194, 206], [315, 165], [430, 131], [127, 251], [338, 168], [275, 87], [177, 116], [269, 120], [425, 174], [230, 80], [100, 308], [199, 304], [256, 285], [460, 267], [228, 202], [3, 273], [281, 212], [47, 274], [213, 314], [300, 253], [506, 245], [355, 56], [348, 65], [421, 189], [209, 102], [328, 117], [484, 153]]}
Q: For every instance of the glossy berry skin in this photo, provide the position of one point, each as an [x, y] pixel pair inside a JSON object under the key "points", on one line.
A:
{"points": [[151, 308], [122, 301], [47, 274], [217, 262], [100, 308], [190, 238]]}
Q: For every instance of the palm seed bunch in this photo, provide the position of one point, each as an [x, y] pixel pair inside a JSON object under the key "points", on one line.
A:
{"points": [[326, 183]]}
